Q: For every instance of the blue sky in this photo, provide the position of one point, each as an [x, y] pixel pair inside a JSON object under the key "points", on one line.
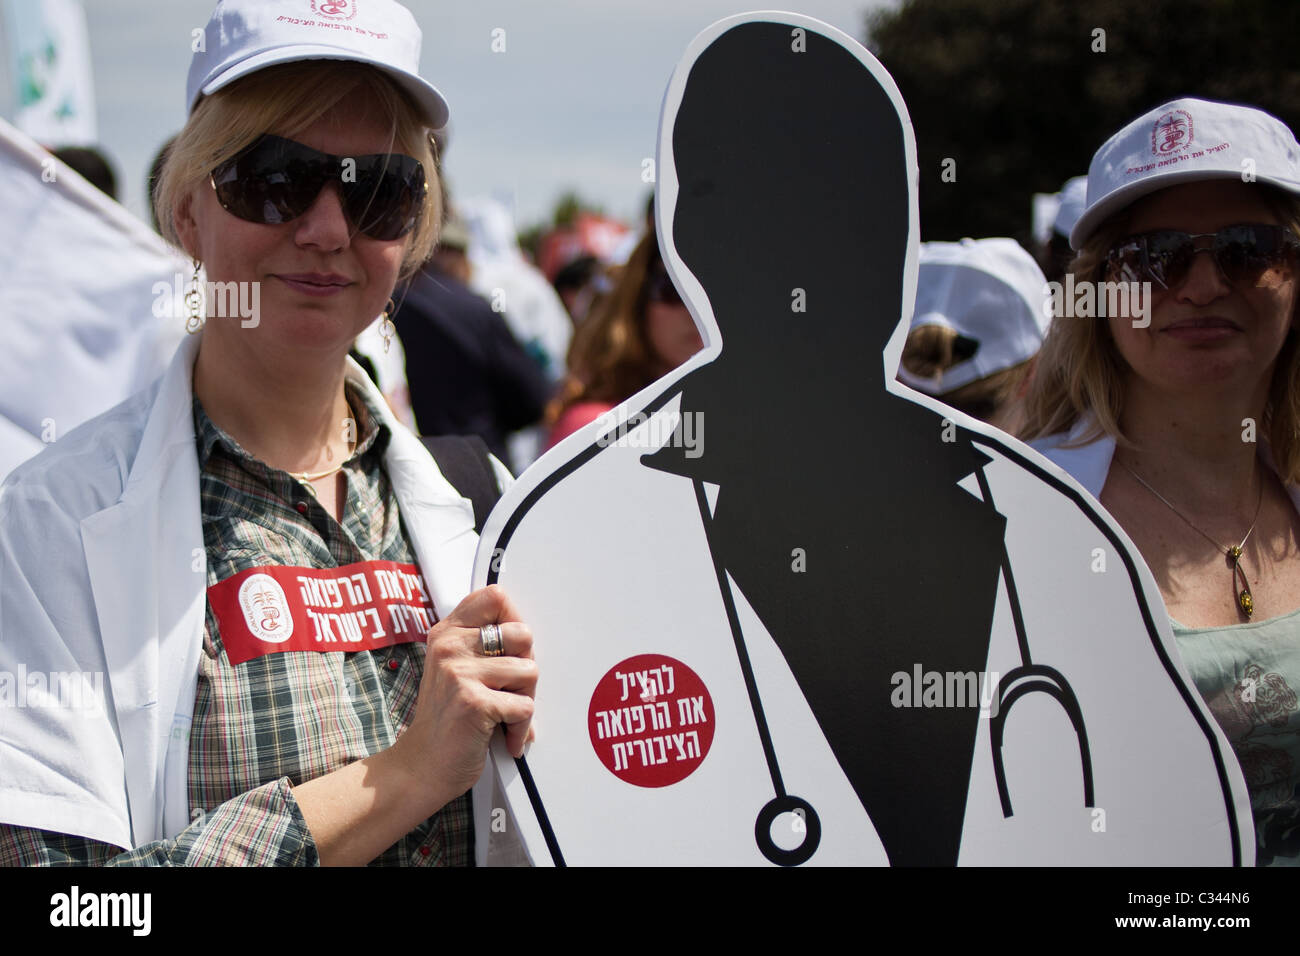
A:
{"points": [[573, 102]]}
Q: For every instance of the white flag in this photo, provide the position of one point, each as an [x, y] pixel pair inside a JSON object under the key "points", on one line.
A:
{"points": [[86, 300]]}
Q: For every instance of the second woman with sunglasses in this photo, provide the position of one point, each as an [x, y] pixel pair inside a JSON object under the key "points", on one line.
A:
{"points": [[1182, 414], [639, 332], [267, 573]]}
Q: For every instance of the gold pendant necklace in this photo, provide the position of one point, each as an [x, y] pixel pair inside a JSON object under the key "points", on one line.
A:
{"points": [[1244, 599], [307, 479]]}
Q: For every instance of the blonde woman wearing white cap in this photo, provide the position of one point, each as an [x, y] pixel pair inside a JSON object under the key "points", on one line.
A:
{"points": [[978, 323], [1184, 418], [240, 567]]}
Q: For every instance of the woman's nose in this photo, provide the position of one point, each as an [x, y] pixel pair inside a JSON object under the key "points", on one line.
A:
{"points": [[1204, 281], [325, 224]]}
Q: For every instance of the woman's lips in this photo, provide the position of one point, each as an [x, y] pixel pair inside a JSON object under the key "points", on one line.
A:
{"points": [[1209, 329], [315, 285]]}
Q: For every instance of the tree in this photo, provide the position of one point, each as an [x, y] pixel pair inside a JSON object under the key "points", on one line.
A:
{"points": [[1020, 93]]}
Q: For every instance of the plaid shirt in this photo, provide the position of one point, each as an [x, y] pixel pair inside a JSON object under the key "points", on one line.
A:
{"points": [[282, 719]]}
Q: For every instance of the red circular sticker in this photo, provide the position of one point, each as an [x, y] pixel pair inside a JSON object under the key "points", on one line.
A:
{"points": [[651, 720]]}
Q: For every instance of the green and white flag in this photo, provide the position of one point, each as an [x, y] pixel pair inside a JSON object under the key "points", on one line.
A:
{"points": [[50, 74]]}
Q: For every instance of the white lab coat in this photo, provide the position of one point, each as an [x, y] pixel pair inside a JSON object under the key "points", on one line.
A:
{"points": [[102, 571]]}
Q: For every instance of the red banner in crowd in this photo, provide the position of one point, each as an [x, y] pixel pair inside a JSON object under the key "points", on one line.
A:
{"points": [[357, 607]]}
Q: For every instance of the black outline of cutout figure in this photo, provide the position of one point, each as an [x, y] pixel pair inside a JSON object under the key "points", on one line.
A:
{"points": [[791, 173]]}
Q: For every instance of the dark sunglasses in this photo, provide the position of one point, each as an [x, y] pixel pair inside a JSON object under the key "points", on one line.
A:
{"points": [[1244, 253], [660, 288], [276, 180]]}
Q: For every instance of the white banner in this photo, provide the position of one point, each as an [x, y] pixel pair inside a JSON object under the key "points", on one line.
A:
{"points": [[86, 318]]}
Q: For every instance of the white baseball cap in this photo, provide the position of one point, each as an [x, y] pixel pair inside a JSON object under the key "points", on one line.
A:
{"points": [[1184, 141], [1073, 198], [244, 36], [988, 290]]}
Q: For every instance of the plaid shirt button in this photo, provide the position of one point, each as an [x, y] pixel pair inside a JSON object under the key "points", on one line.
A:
{"points": [[301, 507], [393, 664], [425, 851]]}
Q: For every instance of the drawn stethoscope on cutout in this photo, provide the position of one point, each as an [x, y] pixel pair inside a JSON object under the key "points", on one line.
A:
{"points": [[1015, 685]]}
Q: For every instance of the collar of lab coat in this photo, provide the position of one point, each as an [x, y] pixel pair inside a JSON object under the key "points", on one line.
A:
{"points": [[1089, 464], [152, 624]]}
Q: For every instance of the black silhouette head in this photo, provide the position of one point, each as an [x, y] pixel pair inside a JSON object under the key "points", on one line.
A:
{"points": [[814, 192]]}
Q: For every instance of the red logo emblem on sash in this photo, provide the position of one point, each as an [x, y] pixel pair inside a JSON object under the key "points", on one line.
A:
{"points": [[358, 607]]}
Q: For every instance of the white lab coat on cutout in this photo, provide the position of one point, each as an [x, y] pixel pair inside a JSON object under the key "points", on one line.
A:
{"points": [[102, 571]]}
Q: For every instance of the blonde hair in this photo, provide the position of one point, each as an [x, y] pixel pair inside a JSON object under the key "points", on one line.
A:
{"points": [[931, 350], [1080, 371], [289, 98]]}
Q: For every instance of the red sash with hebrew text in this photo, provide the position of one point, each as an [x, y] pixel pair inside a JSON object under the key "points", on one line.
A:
{"points": [[357, 607]]}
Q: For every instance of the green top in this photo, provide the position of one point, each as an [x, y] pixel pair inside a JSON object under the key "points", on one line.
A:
{"points": [[1248, 675]]}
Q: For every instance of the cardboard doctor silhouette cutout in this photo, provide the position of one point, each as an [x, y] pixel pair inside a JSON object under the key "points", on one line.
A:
{"points": [[787, 610]]}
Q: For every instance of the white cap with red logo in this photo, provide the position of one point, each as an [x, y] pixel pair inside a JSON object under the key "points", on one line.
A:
{"points": [[244, 36], [1185, 141]]}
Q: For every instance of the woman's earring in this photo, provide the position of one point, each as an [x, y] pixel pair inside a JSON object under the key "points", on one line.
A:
{"points": [[194, 302], [386, 327]]}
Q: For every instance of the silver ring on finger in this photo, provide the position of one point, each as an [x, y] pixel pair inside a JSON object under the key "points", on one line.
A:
{"points": [[489, 638]]}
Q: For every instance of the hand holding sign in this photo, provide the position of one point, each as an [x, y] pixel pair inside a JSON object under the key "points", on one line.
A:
{"points": [[465, 696]]}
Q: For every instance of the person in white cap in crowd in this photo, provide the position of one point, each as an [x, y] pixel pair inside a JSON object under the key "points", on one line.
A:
{"points": [[978, 322], [238, 567], [1056, 253], [1183, 417]]}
